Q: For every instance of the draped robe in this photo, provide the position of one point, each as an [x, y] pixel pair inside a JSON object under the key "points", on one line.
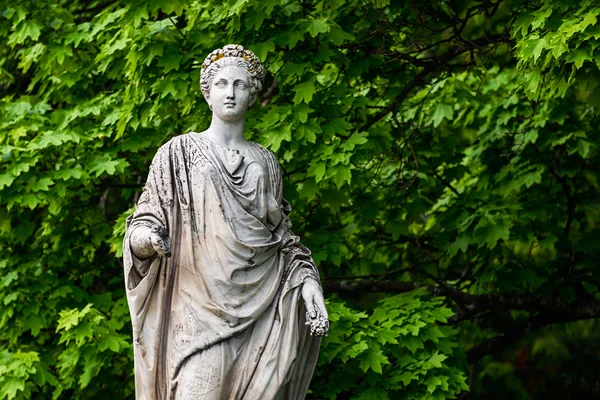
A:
{"points": [[223, 317]]}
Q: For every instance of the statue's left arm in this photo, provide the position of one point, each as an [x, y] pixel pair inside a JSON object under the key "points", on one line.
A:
{"points": [[312, 291]]}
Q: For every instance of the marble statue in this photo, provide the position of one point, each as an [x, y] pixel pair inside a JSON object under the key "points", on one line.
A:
{"points": [[225, 302]]}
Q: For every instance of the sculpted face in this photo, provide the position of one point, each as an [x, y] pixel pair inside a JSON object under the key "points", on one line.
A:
{"points": [[230, 93]]}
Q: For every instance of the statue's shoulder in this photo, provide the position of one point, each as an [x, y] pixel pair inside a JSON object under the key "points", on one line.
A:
{"points": [[175, 144], [267, 153], [180, 139], [175, 141]]}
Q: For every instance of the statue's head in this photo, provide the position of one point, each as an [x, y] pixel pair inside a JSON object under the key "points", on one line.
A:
{"points": [[233, 58]]}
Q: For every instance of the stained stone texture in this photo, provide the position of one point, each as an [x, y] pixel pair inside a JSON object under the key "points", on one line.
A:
{"points": [[223, 316]]}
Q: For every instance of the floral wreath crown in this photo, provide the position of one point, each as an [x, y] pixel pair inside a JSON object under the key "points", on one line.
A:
{"points": [[255, 68]]}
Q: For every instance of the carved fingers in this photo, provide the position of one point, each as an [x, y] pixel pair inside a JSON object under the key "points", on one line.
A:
{"points": [[161, 242], [316, 313]]}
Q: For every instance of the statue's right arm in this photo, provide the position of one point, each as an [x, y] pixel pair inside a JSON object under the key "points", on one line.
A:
{"points": [[149, 234], [141, 243], [146, 241]]}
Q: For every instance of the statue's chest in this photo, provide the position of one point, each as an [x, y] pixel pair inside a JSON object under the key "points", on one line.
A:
{"points": [[243, 170]]}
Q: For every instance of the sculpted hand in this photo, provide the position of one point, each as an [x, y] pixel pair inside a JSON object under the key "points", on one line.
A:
{"points": [[159, 238], [316, 313]]}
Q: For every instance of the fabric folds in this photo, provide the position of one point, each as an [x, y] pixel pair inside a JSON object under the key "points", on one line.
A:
{"points": [[223, 317]]}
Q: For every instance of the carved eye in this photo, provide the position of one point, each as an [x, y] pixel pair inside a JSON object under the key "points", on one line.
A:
{"points": [[240, 84], [221, 83]]}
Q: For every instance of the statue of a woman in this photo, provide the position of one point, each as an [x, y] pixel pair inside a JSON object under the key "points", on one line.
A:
{"points": [[225, 301]]}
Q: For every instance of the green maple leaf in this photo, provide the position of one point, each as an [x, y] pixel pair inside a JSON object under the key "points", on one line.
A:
{"points": [[138, 14], [442, 314], [540, 18], [28, 29], [317, 26], [170, 61], [533, 79], [254, 19], [441, 111], [308, 190], [373, 360], [337, 126], [262, 49], [406, 377], [116, 45], [309, 131], [489, 234], [437, 359], [590, 19], [357, 349], [6, 180], [34, 323], [301, 112], [10, 386], [30, 200], [42, 185], [9, 278], [43, 376], [387, 336], [416, 327], [290, 38], [583, 146], [152, 51], [432, 333], [540, 45], [295, 69], [432, 383], [531, 136], [412, 343], [579, 56], [168, 6], [109, 342], [522, 23], [91, 368], [50, 138], [277, 134], [461, 243], [69, 173], [354, 140], [338, 36], [317, 169], [304, 92], [341, 174]]}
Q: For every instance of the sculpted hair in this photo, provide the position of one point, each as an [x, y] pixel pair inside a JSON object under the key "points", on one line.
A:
{"points": [[232, 54]]}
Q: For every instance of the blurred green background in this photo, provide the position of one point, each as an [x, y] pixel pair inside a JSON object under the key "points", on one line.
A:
{"points": [[441, 158]]}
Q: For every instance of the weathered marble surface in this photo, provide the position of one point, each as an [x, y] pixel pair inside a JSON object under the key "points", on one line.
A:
{"points": [[218, 286]]}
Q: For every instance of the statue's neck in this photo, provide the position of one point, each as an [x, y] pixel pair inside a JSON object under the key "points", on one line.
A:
{"points": [[225, 133]]}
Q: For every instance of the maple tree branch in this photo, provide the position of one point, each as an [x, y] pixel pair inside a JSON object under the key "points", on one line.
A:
{"points": [[363, 285], [547, 310], [270, 92], [474, 303], [432, 66], [446, 183], [500, 342], [178, 29]]}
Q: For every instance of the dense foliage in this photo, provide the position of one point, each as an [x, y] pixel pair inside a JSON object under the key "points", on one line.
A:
{"points": [[441, 158]]}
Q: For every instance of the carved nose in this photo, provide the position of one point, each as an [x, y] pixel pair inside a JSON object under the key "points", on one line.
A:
{"points": [[231, 93]]}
